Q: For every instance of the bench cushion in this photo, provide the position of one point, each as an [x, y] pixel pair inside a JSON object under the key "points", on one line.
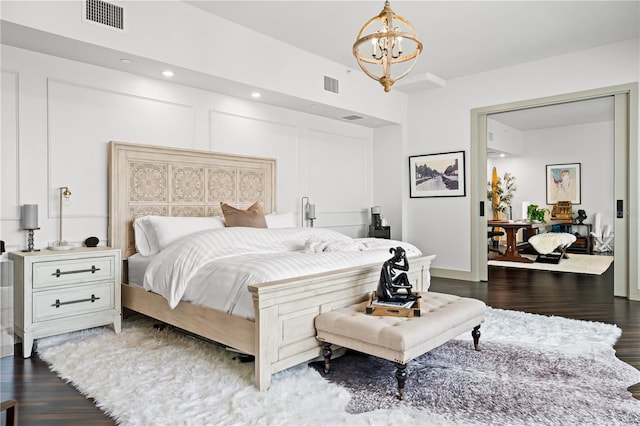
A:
{"points": [[400, 339]]}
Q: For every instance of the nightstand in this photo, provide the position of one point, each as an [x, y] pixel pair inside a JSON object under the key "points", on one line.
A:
{"points": [[61, 291], [381, 232]]}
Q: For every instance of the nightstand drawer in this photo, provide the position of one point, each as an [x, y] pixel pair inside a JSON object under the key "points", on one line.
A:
{"points": [[74, 301], [47, 274]]}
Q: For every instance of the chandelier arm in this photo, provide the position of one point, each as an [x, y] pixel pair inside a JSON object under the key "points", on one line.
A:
{"points": [[407, 71], [365, 26], [377, 60], [367, 72]]}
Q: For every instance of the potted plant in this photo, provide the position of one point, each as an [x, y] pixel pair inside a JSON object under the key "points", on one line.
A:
{"points": [[500, 192], [536, 214]]}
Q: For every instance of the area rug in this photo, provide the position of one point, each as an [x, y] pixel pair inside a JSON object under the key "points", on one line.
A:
{"points": [[576, 263], [531, 370]]}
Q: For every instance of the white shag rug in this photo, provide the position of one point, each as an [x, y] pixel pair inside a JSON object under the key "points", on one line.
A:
{"points": [[576, 263], [143, 376]]}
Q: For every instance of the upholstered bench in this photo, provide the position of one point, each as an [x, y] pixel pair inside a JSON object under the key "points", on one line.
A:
{"points": [[400, 339]]}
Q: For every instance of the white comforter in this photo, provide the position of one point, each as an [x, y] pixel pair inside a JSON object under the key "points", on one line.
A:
{"points": [[214, 268]]}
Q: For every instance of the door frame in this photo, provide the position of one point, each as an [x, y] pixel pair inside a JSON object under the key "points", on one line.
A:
{"points": [[626, 179]]}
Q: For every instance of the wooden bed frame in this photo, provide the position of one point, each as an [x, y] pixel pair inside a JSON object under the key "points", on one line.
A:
{"points": [[147, 180]]}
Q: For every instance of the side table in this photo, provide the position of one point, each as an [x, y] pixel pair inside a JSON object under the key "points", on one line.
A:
{"points": [[57, 292]]}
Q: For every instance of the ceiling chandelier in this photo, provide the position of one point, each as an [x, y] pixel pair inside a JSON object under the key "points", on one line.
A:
{"points": [[382, 46]]}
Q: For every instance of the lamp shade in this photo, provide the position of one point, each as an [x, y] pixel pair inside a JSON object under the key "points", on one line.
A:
{"points": [[29, 216], [312, 212]]}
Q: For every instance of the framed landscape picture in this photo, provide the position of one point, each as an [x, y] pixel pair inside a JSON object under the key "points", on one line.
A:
{"points": [[563, 183], [437, 175]]}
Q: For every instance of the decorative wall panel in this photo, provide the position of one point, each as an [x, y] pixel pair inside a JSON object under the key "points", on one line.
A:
{"points": [[148, 182], [9, 169], [81, 119], [187, 184], [221, 184]]}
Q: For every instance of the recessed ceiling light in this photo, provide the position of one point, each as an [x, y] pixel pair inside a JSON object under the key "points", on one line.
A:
{"points": [[167, 73], [125, 61], [255, 95], [502, 154]]}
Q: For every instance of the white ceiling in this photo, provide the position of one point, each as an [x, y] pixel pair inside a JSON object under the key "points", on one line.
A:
{"points": [[459, 37], [566, 114]]}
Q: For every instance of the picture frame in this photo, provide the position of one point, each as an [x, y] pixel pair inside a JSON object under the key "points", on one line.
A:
{"points": [[437, 175], [564, 183]]}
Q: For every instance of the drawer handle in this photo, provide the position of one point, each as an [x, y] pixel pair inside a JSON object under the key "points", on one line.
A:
{"points": [[59, 303], [79, 271]]}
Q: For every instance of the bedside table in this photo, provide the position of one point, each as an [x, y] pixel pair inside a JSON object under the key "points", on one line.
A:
{"points": [[381, 232], [57, 292]]}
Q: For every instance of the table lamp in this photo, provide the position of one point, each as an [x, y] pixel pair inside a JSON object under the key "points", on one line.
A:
{"points": [[29, 222], [61, 244], [308, 211]]}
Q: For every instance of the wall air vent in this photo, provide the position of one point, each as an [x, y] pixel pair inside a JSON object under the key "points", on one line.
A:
{"points": [[352, 117], [331, 84], [103, 13]]}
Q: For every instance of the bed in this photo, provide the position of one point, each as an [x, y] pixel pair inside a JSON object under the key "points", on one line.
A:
{"points": [[147, 180]]}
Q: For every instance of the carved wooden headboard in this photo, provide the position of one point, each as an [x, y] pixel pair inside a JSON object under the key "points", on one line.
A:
{"points": [[152, 180]]}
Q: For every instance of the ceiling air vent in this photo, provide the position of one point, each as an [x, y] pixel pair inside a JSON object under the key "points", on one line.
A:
{"points": [[352, 117], [330, 84], [104, 13]]}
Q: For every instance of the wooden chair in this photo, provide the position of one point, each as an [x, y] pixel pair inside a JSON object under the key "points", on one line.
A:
{"points": [[493, 243]]}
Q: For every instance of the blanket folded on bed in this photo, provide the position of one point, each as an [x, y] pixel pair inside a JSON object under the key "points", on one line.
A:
{"points": [[312, 246]]}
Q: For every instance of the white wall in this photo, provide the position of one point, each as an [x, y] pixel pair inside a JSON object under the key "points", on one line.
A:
{"points": [[503, 138], [58, 116], [591, 145], [177, 34], [439, 121], [390, 177]]}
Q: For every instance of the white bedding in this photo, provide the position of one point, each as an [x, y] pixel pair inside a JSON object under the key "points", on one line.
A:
{"points": [[213, 268], [136, 267]]}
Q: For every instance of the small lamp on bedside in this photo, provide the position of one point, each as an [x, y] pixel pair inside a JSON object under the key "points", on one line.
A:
{"points": [[29, 222], [61, 244], [308, 211]]}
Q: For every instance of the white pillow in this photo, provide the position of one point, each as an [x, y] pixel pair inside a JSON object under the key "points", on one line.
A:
{"points": [[154, 233], [281, 220]]}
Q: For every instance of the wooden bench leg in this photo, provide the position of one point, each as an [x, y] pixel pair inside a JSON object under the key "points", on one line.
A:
{"points": [[326, 352], [401, 376], [475, 333], [12, 411]]}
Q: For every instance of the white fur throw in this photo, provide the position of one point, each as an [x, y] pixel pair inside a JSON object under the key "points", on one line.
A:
{"points": [[547, 243]]}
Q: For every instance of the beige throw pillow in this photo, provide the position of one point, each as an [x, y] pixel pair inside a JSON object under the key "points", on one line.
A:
{"points": [[252, 217]]}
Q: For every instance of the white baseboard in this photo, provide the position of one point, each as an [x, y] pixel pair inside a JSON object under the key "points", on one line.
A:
{"points": [[453, 274]]}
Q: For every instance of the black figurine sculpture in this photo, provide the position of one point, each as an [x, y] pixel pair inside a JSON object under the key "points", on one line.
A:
{"points": [[393, 288], [582, 215]]}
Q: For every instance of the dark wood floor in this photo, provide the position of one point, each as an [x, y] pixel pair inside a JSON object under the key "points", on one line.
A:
{"points": [[45, 399]]}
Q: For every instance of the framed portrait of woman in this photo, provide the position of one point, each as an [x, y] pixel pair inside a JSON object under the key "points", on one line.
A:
{"points": [[563, 183]]}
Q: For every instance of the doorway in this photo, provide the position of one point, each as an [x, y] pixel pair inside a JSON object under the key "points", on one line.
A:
{"points": [[626, 162]]}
